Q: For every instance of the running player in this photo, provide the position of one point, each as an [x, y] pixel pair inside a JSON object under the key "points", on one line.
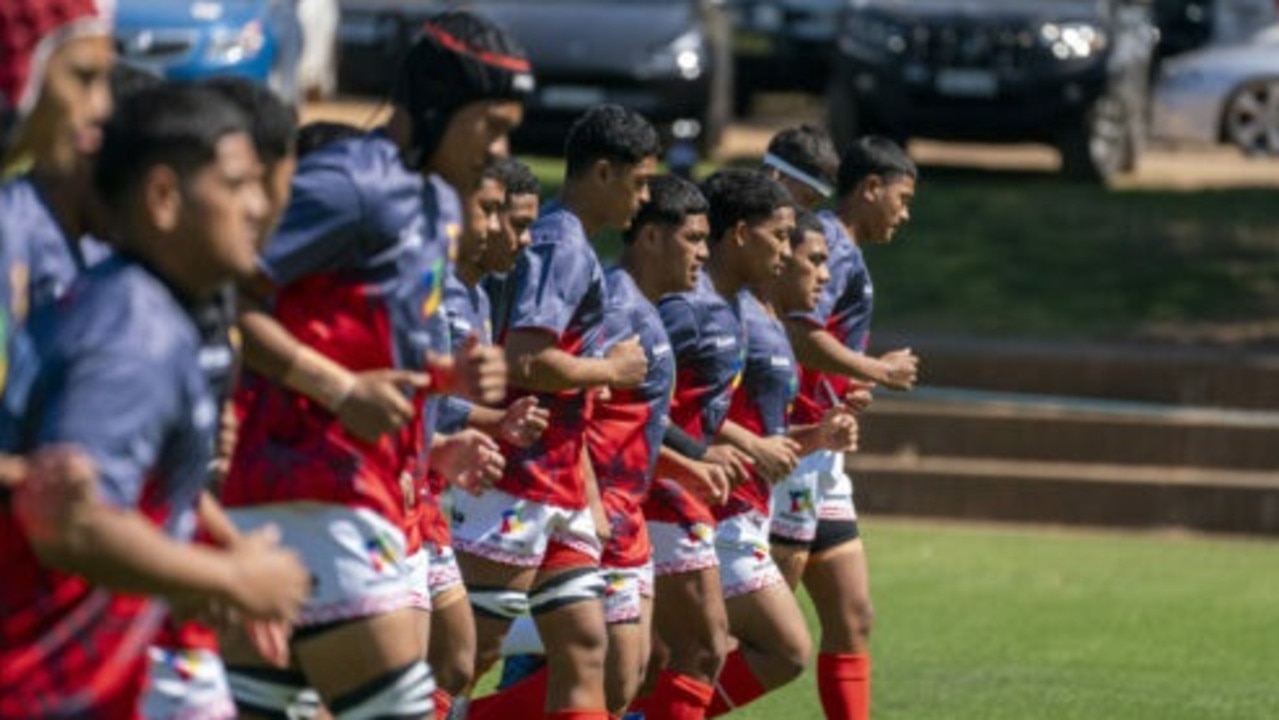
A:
{"points": [[534, 533], [816, 538], [752, 217], [187, 678], [108, 506], [336, 453]]}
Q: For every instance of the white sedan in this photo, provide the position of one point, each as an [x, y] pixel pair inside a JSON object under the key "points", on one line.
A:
{"points": [[1222, 94]]}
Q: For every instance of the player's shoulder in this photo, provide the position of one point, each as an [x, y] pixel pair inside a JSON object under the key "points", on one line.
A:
{"points": [[118, 305], [557, 225], [368, 165]]}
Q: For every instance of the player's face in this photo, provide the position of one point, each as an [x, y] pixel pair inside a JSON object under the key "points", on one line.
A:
{"points": [[804, 276], [804, 196], [278, 185], [225, 208], [75, 101], [683, 252], [518, 214], [890, 208], [767, 245], [483, 221], [627, 190], [476, 132]]}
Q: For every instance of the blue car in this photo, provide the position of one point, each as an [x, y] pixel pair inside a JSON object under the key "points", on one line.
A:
{"points": [[194, 39]]}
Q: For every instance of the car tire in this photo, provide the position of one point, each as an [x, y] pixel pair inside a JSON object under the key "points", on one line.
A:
{"points": [[843, 119], [1245, 122], [1103, 146]]}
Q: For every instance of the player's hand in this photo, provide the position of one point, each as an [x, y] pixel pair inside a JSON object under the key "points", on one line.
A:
{"points": [[270, 639], [734, 462], [901, 369], [707, 481], [59, 479], [480, 372], [270, 582], [775, 456], [469, 459], [630, 365], [859, 397], [839, 430], [523, 422], [379, 402]]}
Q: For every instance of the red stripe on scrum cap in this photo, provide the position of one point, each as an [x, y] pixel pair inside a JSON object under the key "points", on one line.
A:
{"points": [[505, 62]]}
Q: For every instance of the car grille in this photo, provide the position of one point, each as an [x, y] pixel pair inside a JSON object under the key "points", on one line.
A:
{"points": [[156, 45], [1009, 49]]}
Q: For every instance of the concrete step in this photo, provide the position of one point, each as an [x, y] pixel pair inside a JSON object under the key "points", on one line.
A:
{"points": [[1068, 493], [1215, 377], [980, 424]]}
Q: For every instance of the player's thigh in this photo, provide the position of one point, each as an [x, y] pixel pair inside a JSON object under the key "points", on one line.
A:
{"points": [[791, 559], [838, 581], [452, 649], [769, 622], [689, 612]]}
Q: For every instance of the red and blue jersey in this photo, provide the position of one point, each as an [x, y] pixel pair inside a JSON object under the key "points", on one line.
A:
{"points": [[624, 435], [844, 310], [763, 402], [359, 261], [467, 312], [709, 344], [557, 287], [118, 377]]}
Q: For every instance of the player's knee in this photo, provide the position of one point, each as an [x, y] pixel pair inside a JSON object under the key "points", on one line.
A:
{"points": [[793, 656], [864, 619], [620, 687], [454, 671]]}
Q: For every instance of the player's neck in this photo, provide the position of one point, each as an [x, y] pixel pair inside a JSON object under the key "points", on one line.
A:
{"points": [[66, 194], [727, 281], [469, 272], [577, 199], [846, 214], [645, 275]]}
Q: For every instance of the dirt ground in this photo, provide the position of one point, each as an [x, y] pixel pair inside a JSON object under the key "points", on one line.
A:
{"points": [[1161, 167]]}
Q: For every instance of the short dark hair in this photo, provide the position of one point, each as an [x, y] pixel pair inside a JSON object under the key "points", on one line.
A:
{"points": [[805, 222], [736, 194], [275, 122], [173, 124], [873, 155], [612, 133], [322, 133], [515, 176], [809, 149], [127, 79], [671, 199]]}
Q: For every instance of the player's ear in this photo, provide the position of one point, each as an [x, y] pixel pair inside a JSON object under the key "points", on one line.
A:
{"points": [[602, 171], [740, 232], [162, 194], [872, 188]]}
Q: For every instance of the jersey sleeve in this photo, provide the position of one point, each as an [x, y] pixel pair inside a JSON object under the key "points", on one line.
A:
{"points": [[551, 279], [681, 325], [321, 227], [106, 404], [455, 414]]}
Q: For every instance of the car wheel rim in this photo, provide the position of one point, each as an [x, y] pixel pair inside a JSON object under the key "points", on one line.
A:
{"points": [[1253, 119]]}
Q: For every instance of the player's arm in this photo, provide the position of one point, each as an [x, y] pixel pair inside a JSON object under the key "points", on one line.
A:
{"points": [[13, 470], [521, 423], [774, 456], [838, 431], [536, 364], [818, 349]]}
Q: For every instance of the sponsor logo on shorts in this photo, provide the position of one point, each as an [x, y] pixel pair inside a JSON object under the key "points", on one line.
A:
{"points": [[698, 533], [513, 520], [616, 584], [801, 501], [184, 663], [759, 551], [381, 552]]}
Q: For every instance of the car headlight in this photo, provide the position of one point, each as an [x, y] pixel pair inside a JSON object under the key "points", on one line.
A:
{"points": [[685, 56], [1073, 40], [232, 45]]}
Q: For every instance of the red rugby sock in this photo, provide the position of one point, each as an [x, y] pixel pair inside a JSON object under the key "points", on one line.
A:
{"points": [[843, 683], [676, 696], [524, 699], [736, 686]]}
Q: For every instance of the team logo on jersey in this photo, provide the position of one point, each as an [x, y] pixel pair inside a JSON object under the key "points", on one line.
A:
{"points": [[801, 501], [513, 520], [433, 280], [381, 552]]}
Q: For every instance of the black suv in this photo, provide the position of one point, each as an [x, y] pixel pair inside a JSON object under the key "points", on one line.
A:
{"points": [[1071, 73]]}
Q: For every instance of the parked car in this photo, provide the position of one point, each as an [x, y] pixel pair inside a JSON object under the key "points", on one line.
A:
{"points": [[667, 59], [781, 45], [193, 39], [1071, 73], [1222, 94]]}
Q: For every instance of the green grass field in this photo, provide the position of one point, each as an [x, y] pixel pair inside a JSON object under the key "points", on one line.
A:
{"points": [[989, 623], [1028, 254]]}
